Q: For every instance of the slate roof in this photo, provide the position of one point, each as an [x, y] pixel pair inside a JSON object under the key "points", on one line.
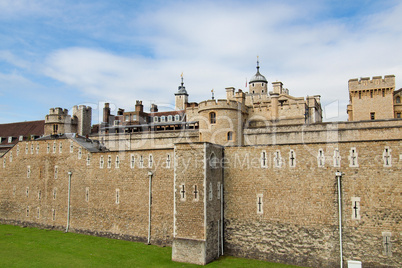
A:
{"points": [[15, 130]]}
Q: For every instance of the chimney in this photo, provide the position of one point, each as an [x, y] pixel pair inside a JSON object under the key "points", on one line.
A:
{"points": [[154, 108], [138, 106], [106, 113]]}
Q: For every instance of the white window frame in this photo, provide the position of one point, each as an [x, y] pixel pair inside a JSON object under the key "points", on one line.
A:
{"points": [[292, 153], [264, 159], [117, 162], [353, 155], [101, 162], [320, 158], [132, 161], [109, 161]]}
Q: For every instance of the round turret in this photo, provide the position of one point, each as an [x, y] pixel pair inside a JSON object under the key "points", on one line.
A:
{"points": [[258, 83]]}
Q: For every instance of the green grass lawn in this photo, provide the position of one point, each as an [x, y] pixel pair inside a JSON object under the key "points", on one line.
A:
{"points": [[31, 247]]}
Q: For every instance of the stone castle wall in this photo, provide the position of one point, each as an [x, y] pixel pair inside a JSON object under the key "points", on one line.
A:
{"points": [[110, 201], [299, 219], [280, 201]]}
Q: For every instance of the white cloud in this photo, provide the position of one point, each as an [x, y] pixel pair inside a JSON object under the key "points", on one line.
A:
{"points": [[215, 44]]}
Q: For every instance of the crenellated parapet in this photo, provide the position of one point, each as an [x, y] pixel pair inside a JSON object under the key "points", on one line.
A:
{"points": [[220, 104], [377, 82]]}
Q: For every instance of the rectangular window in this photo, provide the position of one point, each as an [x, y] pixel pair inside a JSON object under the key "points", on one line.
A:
{"points": [[88, 159], [56, 170], [87, 194], [260, 209], [177, 117], [182, 192], [26, 148], [27, 191], [141, 162], [61, 147], [101, 162], [117, 162], [55, 129], [109, 161], [10, 139], [79, 153], [71, 147], [398, 115], [28, 172], [355, 208], [39, 194], [117, 196], [38, 213], [54, 193], [168, 161], [53, 214], [37, 148], [372, 116], [196, 193], [27, 213], [386, 243], [292, 158], [21, 138], [132, 161], [263, 159], [127, 118], [54, 147], [48, 148], [150, 162]]}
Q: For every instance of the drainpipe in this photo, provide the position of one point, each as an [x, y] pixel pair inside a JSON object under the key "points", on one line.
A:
{"points": [[149, 206], [338, 175], [221, 218], [68, 202]]}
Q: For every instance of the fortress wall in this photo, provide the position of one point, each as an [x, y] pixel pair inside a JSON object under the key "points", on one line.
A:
{"points": [[147, 140], [270, 133], [299, 223], [101, 214]]}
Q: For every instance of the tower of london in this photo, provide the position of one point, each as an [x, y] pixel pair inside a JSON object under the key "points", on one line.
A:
{"points": [[257, 175]]}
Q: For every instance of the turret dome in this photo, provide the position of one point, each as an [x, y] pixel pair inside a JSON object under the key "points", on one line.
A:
{"points": [[258, 77]]}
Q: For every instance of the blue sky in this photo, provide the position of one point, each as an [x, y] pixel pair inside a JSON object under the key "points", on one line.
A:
{"points": [[66, 53]]}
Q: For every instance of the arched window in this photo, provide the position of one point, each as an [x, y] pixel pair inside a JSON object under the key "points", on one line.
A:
{"points": [[230, 136], [398, 99], [212, 118]]}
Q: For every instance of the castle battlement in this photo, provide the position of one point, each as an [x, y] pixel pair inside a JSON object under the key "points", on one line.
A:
{"points": [[219, 104], [58, 111], [377, 82]]}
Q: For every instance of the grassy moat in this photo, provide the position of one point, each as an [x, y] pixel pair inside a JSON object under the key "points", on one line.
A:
{"points": [[32, 247]]}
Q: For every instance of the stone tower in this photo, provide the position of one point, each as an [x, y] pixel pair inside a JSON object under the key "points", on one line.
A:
{"points": [[84, 117], [198, 203], [371, 99], [181, 97], [58, 121], [222, 120], [258, 83]]}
